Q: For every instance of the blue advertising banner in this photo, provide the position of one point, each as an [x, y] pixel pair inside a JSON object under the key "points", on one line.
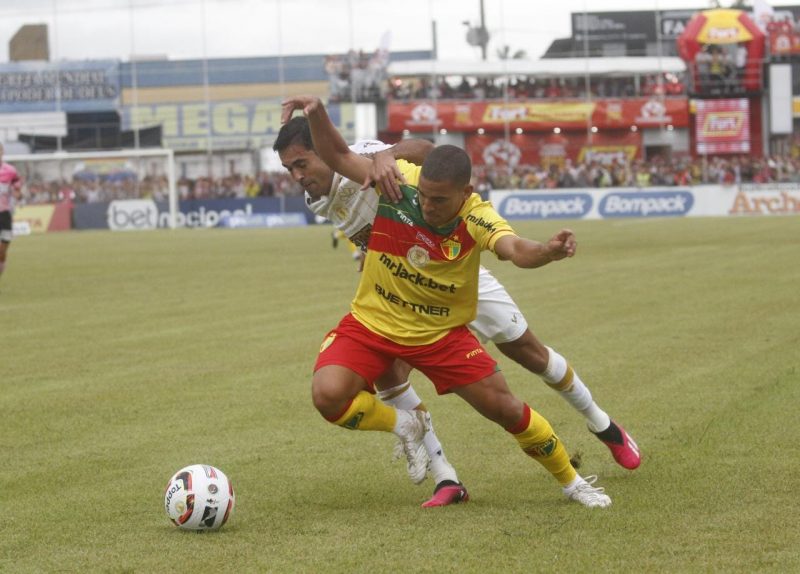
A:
{"points": [[599, 203], [59, 86], [142, 214]]}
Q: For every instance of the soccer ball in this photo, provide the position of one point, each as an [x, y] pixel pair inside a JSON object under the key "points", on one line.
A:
{"points": [[199, 497]]}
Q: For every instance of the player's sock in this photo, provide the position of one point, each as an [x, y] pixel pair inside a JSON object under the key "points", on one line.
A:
{"points": [[366, 413], [402, 397], [536, 438], [560, 377], [405, 397], [440, 467]]}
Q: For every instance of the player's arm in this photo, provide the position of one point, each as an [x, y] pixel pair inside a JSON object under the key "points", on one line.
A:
{"points": [[528, 253], [328, 142], [384, 171]]}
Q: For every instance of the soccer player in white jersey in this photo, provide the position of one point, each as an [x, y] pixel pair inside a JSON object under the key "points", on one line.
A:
{"points": [[498, 318], [10, 184]]}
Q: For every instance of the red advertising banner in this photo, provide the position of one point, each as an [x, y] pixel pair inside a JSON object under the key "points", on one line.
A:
{"points": [[424, 116], [783, 38], [529, 149], [723, 126]]}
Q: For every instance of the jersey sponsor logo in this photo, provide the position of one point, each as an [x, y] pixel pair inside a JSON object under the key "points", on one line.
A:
{"points": [[425, 239], [545, 206], [402, 272], [481, 222], [420, 308], [451, 247], [418, 257], [646, 204]]}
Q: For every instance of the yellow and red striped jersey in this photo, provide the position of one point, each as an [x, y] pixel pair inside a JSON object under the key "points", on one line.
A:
{"points": [[419, 281]]}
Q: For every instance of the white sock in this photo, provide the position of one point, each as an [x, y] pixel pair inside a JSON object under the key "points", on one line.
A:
{"points": [[560, 377], [404, 397], [440, 467], [401, 397]]}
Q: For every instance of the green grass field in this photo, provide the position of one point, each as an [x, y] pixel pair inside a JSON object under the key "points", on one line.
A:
{"points": [[127, 356]]}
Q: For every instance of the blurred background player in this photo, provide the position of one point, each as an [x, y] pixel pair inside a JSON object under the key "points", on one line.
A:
{"points": [[498, 319], [339, 235], [10, 184]]}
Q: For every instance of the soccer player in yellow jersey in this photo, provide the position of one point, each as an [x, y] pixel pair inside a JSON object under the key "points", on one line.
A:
{"points": [[417, 293], [499, 319]]}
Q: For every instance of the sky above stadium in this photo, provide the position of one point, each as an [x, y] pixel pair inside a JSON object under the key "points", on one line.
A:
{"points": [[181, 29]]}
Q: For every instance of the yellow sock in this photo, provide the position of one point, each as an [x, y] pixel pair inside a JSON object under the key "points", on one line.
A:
{"points": [[367, 413], [537, 439]]}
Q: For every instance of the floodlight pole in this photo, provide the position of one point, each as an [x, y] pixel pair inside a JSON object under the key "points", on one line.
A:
{"points": [[484, 37]]}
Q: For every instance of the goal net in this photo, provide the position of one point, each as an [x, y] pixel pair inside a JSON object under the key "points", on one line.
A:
{"points": [[104, 176]]}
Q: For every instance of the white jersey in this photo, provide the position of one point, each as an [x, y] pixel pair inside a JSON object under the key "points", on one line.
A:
{"points": [[349, 208], [352, 211]]}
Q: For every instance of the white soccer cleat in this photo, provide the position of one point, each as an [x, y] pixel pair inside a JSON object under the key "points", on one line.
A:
{"points": [[411, 430], [588, 495]]}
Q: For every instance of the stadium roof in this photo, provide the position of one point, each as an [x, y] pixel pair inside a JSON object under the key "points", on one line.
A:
{"points": [[548, 67]]}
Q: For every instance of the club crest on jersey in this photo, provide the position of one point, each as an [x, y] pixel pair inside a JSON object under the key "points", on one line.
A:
{"points": [[451, 247], [418, 257]]}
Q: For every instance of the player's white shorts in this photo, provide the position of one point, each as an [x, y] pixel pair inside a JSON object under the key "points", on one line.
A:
{"points": [[499, 319]]}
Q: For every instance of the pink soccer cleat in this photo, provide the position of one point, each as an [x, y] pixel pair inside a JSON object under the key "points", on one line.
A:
{"points": [[446, 493], [623, 448]]}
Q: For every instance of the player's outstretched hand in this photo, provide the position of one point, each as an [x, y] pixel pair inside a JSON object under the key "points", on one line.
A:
{"points": [[562, 244], [306, 103], [385, 173]]}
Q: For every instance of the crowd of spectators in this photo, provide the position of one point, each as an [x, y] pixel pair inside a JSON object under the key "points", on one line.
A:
{"points": [[82, 190], [641, 174], [468, 88], [684, 171], [721, 70], [357, 76]]}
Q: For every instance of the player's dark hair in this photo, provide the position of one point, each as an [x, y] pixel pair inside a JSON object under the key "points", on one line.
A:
{"points": [[295, 131], [447, 163]]}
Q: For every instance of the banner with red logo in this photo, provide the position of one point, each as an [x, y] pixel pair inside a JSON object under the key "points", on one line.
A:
{"points": [[45, 217], [529, 149], [723, 126], [784, 39], [425, 116]]}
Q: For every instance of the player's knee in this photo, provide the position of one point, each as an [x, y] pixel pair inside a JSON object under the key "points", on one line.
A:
{"points": [[324, 398], [330, 394]]}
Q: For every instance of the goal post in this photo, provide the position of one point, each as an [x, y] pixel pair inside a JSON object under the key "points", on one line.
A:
{"points": [[101, 176]]}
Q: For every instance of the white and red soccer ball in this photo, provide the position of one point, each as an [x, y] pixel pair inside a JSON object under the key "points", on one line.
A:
{"points": [[199, 497]]}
